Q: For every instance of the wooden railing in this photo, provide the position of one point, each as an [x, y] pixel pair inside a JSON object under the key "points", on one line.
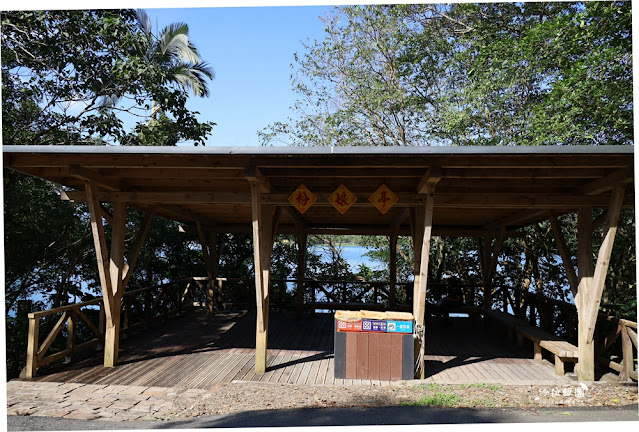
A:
{"points": [[86, 320], [141, 307], [627, 331]]}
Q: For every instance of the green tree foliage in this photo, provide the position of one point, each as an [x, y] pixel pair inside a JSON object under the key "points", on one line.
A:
{"points": [[465, 74], [63, 71], [70, 77]]}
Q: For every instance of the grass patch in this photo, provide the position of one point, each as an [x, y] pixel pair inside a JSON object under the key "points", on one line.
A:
{"points": [[435, 387], [436, 400], [486, 403], [493, 387]]}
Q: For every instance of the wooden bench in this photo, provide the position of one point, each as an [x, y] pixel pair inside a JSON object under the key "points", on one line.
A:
{"points": [[564, 351], [509, 322]]}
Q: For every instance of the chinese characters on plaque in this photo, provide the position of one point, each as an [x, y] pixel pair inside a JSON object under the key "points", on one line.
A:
{"points": [[302, 198], [383, 199], [342, 199]]}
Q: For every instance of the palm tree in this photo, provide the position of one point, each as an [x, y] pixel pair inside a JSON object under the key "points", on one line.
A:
{"points": [[172, 50]]}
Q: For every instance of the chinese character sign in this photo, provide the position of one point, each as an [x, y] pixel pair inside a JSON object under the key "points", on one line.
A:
{"points": [[342, 199], [383, 199], [302, 199]]}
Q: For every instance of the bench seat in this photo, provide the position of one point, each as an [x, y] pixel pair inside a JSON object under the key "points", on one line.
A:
{"points": [[564, 351]]}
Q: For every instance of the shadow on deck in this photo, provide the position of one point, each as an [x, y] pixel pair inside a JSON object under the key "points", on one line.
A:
{"points": [[199, 351]]}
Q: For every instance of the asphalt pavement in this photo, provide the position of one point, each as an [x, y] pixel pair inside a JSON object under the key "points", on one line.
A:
{"points": [[344, 417]]}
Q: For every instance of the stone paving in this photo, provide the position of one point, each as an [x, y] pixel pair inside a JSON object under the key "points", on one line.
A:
{"points": [[91, 402]]}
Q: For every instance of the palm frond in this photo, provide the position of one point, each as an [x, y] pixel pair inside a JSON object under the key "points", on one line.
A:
{"points": [[175, 40], [144, 21], [193, 77]]}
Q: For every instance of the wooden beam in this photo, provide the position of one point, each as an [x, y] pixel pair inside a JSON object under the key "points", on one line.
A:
{"points": [[99, 241], [134, 253], [105, 214], [83, 173], [611, 181], [517, 219], [254, 175], [565, 255], [432, 177], [550, 202], [165, 197], [458, 200]]}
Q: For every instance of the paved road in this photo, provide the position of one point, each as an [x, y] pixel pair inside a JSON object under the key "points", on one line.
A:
{"points": [[341, 417]]}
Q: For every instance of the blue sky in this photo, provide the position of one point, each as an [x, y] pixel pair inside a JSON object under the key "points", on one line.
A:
{"points": [[251, 50]]}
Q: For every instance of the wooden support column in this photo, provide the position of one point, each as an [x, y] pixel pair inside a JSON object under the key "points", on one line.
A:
{"points": [[262, 248], [591, 283], [392, 294], [112, 330], [423, 227], [209, 249], [586, 363], [113, 271], [301, 270], [488, 263]]}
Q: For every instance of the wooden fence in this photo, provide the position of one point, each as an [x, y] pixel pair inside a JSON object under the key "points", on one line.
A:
{"points": [[84, 322], [616, 339]]}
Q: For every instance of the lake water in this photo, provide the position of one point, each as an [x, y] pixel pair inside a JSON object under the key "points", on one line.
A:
{"points": [[354, 256]]}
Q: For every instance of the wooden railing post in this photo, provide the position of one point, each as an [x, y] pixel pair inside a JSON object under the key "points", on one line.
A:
{"points": [[32, 346], [219, 291], [628, 358], [70, 336]]}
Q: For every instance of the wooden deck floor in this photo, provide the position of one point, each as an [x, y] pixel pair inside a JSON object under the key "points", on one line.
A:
{"points": [[196, 351]]}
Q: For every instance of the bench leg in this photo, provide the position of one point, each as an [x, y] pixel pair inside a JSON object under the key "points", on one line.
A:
{"points": [[537, 349], [559, 366]]}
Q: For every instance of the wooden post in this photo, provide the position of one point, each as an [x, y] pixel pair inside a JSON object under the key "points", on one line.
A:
{"points": [[393, 271], [591, 282], [209, 256], [219, 291], [70, 336], [627, 362], [424, 226], [488, 264], [586, 363], [113, 271], [301, 270], [116, 266], [262, 248], [32, 346]]}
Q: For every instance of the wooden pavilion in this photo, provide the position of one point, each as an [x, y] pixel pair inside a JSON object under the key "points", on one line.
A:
{"points": [[483, 192]]}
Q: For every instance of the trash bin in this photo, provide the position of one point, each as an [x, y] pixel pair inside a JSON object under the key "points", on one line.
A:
{"points": [[374, 345]]}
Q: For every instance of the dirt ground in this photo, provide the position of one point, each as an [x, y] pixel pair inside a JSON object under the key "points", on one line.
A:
{"points": [[246, 396]]}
